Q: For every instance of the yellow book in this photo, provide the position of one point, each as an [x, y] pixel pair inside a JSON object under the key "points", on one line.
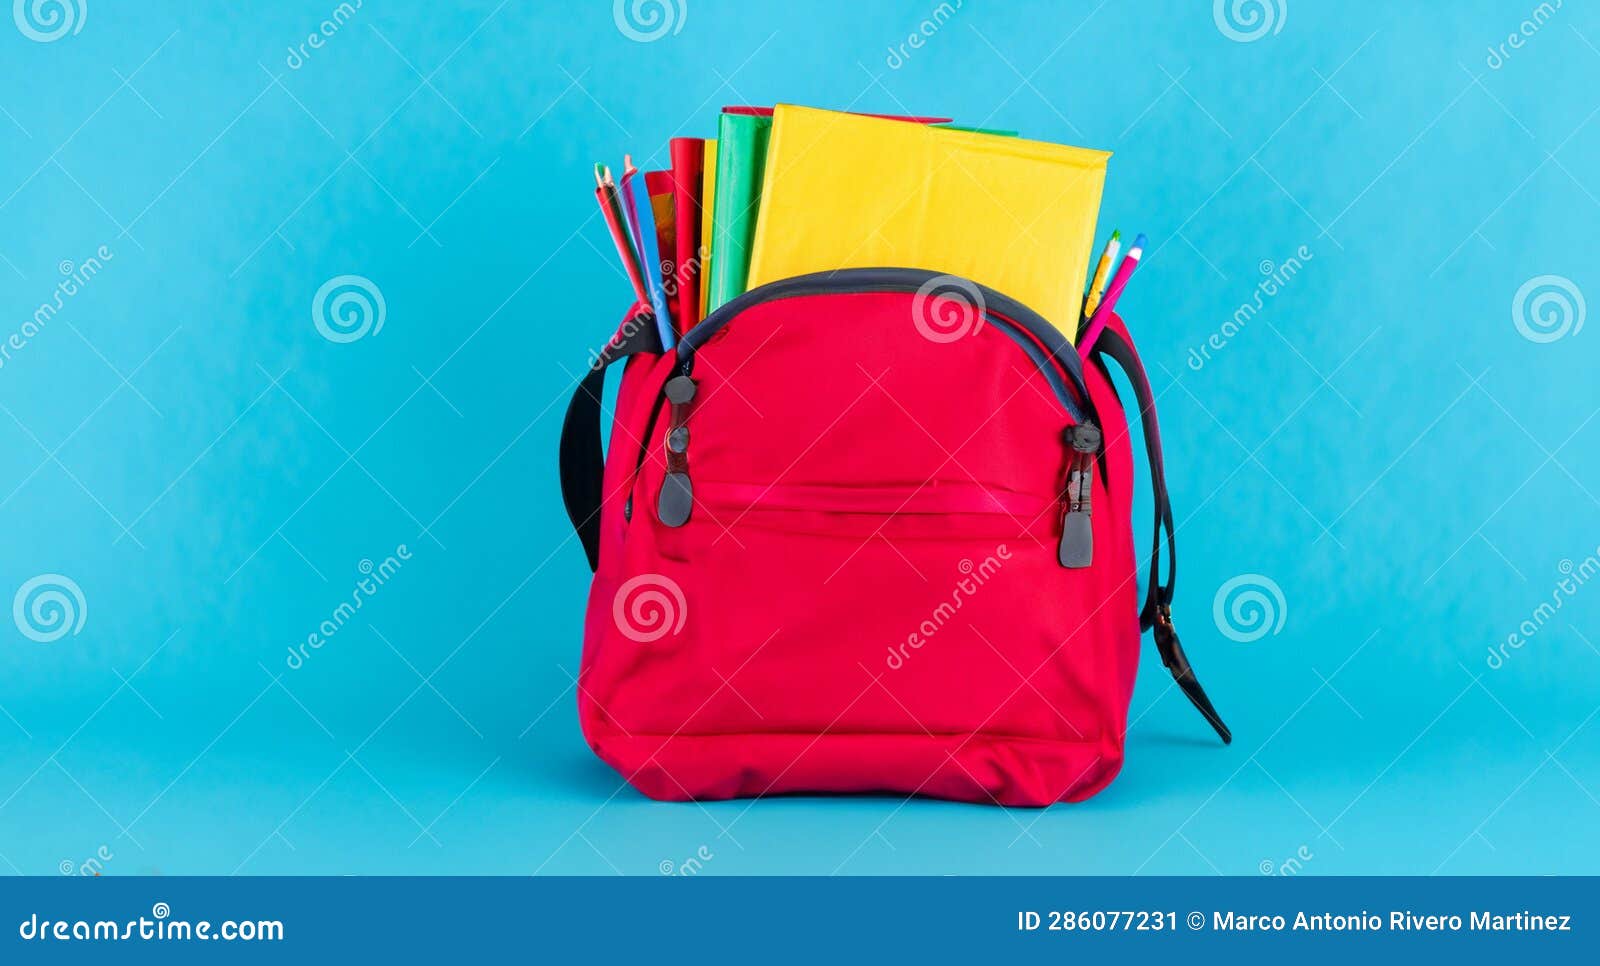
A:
{"points": [[846, 191], [708, 195]]}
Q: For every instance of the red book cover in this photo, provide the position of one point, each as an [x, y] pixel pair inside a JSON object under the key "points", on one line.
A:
{"points": [[688, 158]]}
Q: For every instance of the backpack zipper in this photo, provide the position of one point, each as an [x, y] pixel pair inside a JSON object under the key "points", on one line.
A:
{"points": [[1077, 535]]}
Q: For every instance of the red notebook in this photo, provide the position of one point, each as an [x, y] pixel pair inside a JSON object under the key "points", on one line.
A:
{"points": [[688, 162], [767, 112]]}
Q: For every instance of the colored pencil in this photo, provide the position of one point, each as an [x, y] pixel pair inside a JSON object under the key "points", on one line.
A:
{"points": [[1102, 314], [636, 203], [605, 192], [1098, 286]]}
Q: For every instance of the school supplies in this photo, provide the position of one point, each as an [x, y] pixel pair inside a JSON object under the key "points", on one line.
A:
{"points": [[859, 190], [767, 112], [688, 155], [616, 222], [843, 191], [659, 186], [742, 134], [997, 132], [708, 245], [1091, 332], [741, 161], [949, 263], [636, 204], [1098, 286]]}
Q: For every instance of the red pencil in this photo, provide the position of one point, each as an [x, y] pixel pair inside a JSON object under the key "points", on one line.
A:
{"points": [[605, 192]]}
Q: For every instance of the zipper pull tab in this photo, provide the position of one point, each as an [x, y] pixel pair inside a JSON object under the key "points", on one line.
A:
{"points": [[676, 498], [1077, 532]]}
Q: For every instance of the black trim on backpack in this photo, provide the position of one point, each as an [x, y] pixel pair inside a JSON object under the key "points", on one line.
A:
{"points": [[582, 458], [1157, 611]]}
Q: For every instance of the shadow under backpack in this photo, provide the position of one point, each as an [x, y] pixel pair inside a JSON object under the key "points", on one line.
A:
{"points": [[840, 545]]}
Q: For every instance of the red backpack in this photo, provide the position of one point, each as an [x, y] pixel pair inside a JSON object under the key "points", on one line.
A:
{"points": [[865, 531]]}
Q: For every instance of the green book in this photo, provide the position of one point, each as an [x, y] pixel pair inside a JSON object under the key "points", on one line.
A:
{"points": [[978, 130], [741, 164]]}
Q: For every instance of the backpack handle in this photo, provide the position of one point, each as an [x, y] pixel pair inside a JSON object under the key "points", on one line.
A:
{"points": [[1115, 343], [582, 458]]}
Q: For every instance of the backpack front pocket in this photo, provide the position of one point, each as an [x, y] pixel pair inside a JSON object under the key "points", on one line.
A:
{"points": [[885, 610]]}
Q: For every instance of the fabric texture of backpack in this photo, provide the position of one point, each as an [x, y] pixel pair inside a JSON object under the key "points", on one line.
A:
{"points": [[866, 531]]}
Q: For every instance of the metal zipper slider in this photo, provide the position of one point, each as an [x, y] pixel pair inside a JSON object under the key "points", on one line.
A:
{"points": [[676, 498], [1077, 532]]}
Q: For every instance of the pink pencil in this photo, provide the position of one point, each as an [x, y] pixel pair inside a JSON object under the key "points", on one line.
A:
{"points": [[1102, 315]]}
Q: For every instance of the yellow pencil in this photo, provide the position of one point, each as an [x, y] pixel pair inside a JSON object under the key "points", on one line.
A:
{"points": [[1097, 287]]}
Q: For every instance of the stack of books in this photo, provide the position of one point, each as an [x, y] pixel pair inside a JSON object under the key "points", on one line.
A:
{"points": [[792, 190]]}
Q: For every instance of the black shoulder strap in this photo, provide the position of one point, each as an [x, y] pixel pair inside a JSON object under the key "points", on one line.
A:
{"points": [[1157, 611], [582, 459]]}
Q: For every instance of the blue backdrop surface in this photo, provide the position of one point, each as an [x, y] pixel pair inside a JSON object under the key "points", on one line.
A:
{"points": [[290, 323]]}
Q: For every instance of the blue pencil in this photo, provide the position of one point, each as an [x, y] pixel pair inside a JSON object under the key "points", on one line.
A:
{"points": [[641, 222]]}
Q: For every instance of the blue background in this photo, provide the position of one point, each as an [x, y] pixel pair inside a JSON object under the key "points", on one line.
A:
{"points": [[1381, 443]]}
